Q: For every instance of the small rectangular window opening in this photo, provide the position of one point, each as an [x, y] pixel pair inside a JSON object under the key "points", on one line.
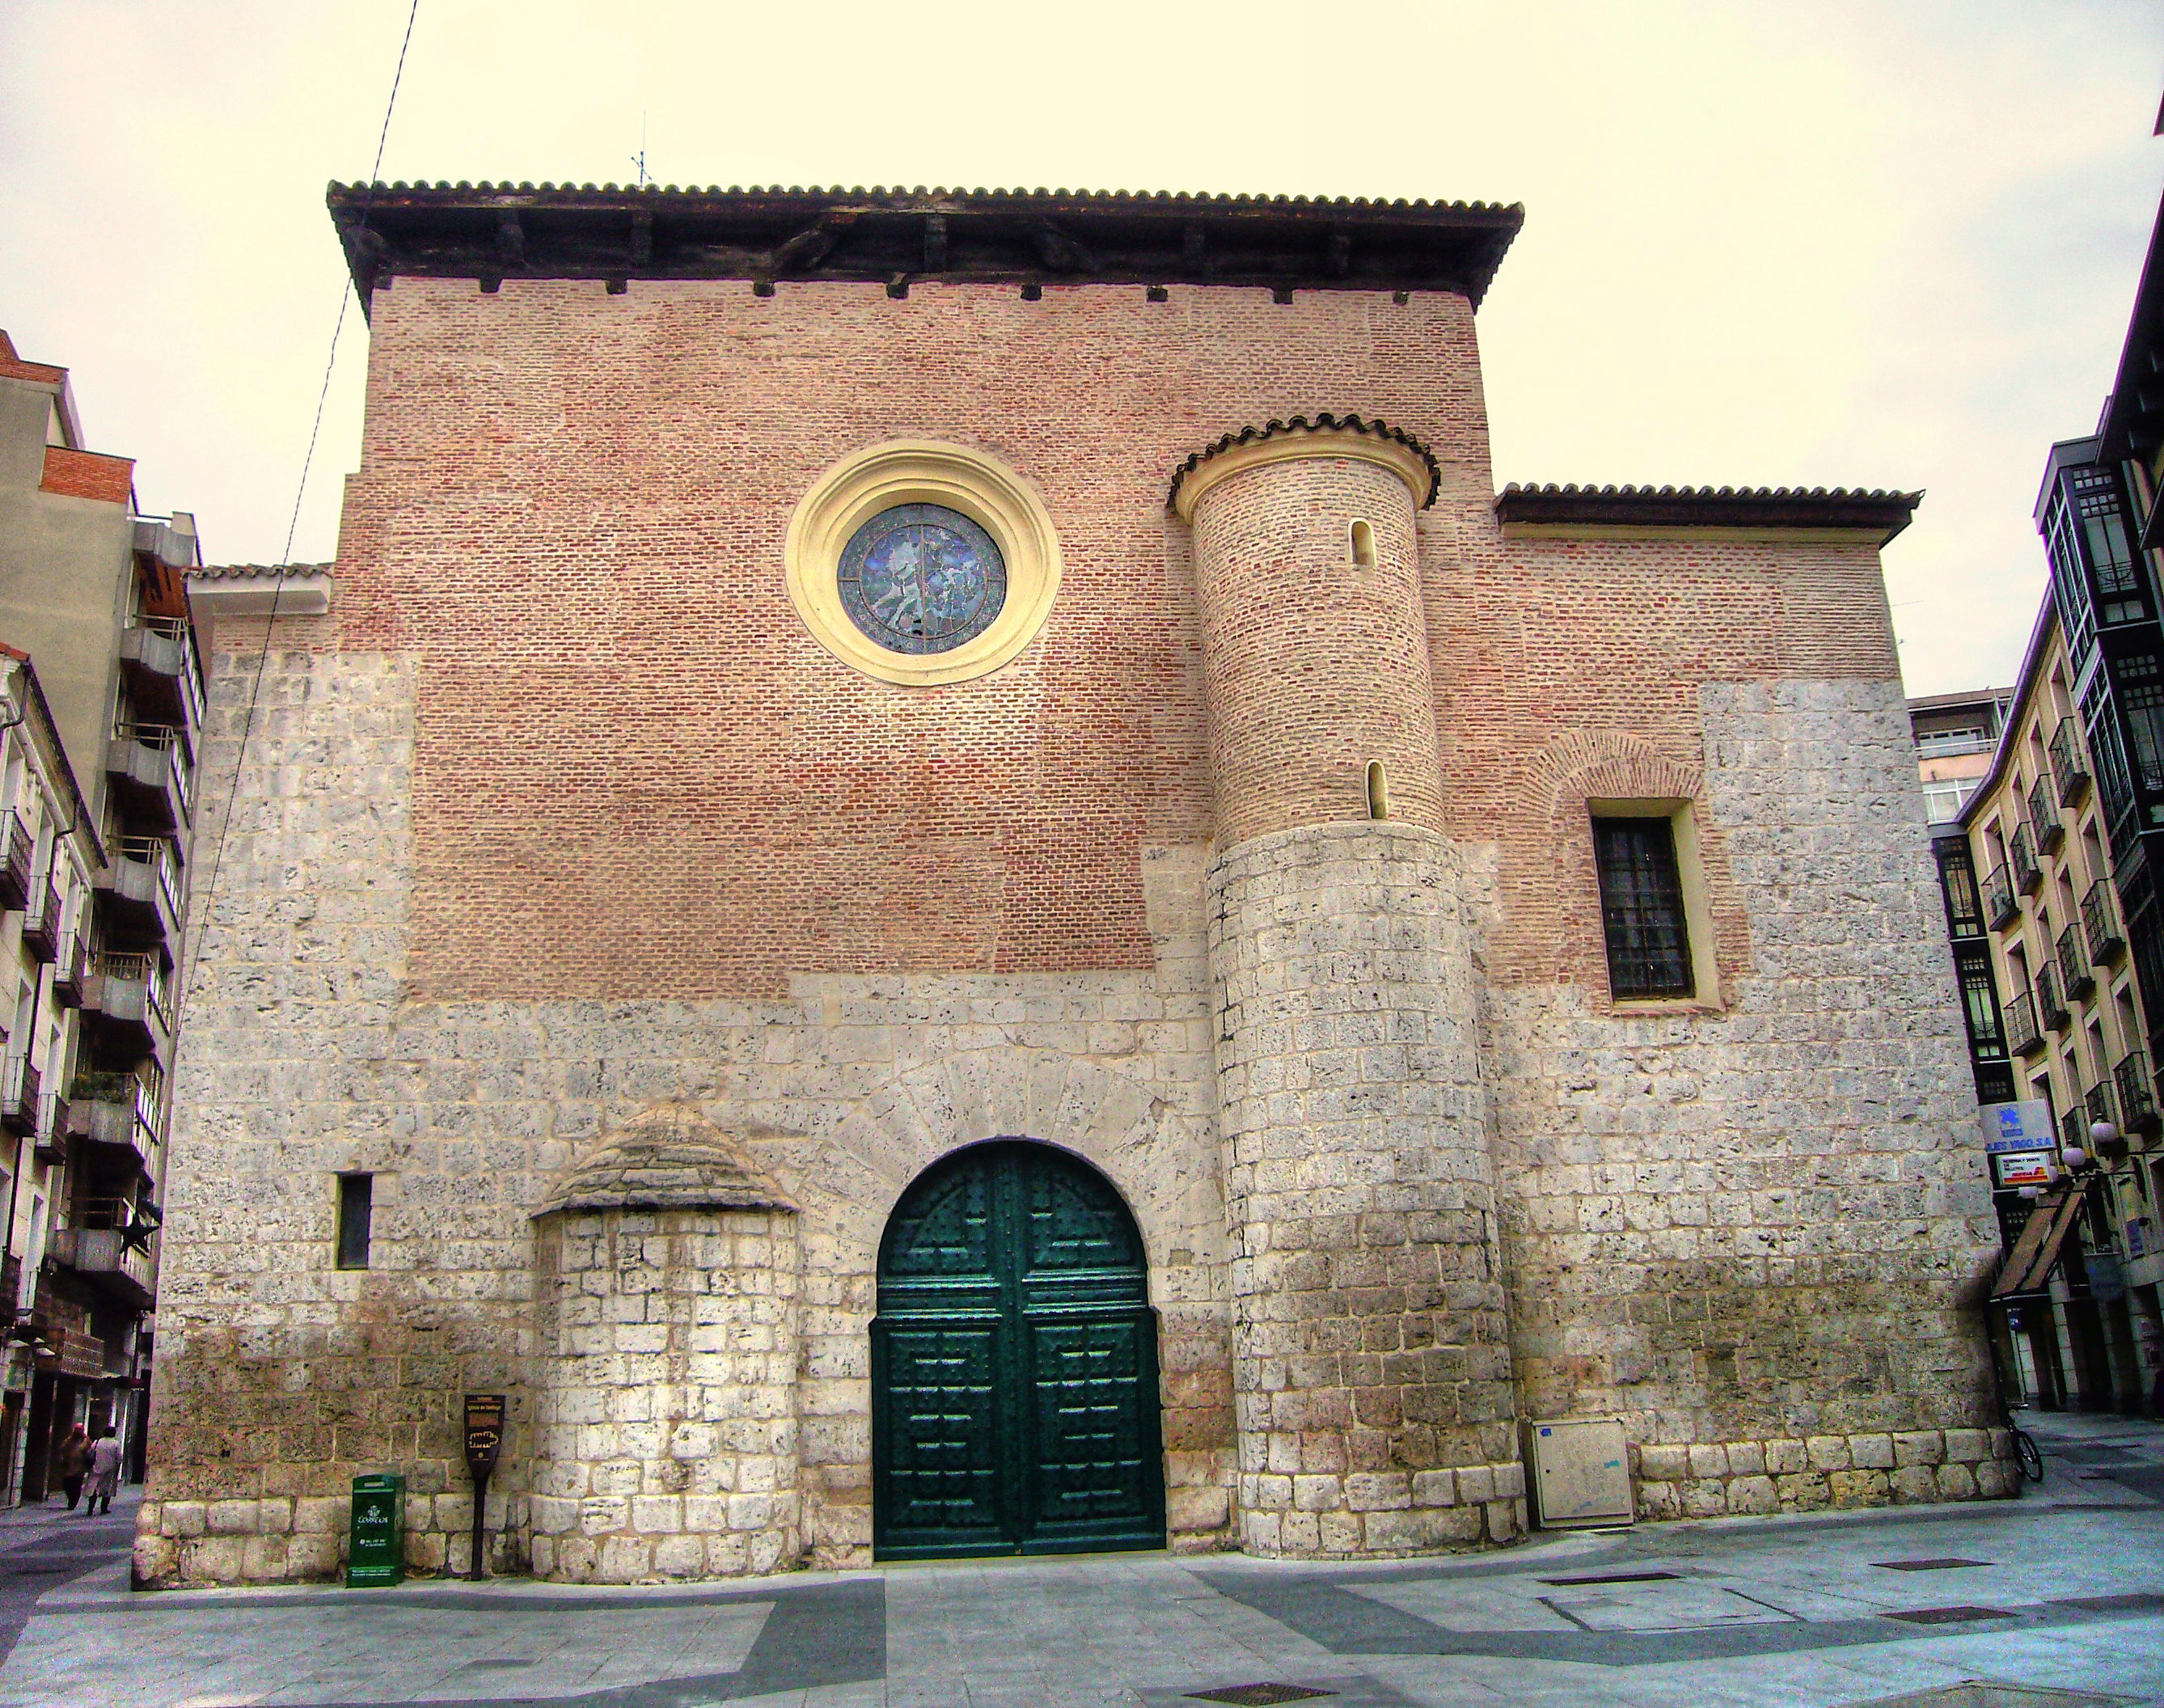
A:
{"points": [[1641, 909], [355, 1208]]}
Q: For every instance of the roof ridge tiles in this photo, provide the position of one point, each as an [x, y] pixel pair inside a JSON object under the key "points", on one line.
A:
{"points": [[1574, 490], [1225, 197], [1877, 510], [1321, 421]]}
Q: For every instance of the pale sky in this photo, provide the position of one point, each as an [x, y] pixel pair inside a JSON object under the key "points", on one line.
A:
{"points": [[1783, 242]]}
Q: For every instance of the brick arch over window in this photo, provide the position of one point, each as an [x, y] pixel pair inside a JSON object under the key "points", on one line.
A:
{"points": [[1584, 766]]}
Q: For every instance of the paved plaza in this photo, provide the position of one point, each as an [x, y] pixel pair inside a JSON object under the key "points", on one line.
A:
{"points": [[2060, 1593]]}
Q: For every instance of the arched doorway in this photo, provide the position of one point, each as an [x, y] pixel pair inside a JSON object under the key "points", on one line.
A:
{"points": [[1014, 1363]]}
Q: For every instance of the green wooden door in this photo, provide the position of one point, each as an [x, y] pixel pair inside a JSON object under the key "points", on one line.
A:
{"points": [[1014, 1363]]}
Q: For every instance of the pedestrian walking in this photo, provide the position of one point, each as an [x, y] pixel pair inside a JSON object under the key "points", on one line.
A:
{"points": [[70, 1460], [104, 1472]]}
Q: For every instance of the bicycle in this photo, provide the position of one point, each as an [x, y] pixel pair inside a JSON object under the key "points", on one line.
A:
{"points": [[2026, 1453]]}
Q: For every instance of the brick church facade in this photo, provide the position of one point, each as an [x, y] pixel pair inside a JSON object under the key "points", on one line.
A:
{"points": [[938, 874]]}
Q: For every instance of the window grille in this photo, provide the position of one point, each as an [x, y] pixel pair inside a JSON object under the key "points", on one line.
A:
{"points": [[2142, 700], [2121, 597], [1957, 882], [1986, 1042], [1642, 908]]}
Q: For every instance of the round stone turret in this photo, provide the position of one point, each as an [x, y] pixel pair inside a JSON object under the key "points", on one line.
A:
{"points": [[1372, 1372]]}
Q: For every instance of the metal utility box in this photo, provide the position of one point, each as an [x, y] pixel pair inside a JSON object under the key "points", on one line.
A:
{"points": [[375, 1554], [1581, 1472]]}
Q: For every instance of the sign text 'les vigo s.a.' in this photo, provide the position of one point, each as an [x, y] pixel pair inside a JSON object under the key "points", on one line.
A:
{"points": [[2026, 1126]]}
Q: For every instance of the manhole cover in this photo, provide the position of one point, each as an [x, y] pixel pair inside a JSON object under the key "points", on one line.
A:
{"points": [[1618, 1578], [1944, 1565], [1982, 1693], [1256, 1696], [1949, 1615]]}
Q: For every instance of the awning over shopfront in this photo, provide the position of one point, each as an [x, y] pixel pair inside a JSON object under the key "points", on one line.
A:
{"points": [[2029, 1265]]}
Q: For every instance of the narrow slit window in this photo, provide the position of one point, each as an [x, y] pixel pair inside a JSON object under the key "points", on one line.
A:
{"points": [[1363, 546], [1641, 909], [1378, 790], [356, 1205]]}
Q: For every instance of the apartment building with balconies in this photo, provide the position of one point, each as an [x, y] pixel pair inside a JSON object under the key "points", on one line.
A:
{"points": [[1956, 736], [2037, 925], [94, 615]]}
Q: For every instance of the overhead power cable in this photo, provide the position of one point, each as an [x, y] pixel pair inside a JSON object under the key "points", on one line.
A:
{"points": [[300, 490]]}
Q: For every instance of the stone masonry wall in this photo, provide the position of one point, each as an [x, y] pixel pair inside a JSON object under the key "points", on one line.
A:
{"points": [[308, 1053], [1754, 1234], [665, 1437], [1372, 1363]]}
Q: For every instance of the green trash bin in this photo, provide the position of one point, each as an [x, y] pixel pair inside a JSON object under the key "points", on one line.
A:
{"points": [[376, 1553]]}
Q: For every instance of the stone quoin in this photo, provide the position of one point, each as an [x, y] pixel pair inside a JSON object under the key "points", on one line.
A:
{"points": [[1161, 1069]]}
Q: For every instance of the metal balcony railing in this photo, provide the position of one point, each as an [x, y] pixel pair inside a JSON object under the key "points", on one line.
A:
{"points": [[2068, 767], [2048, 1008], [2021, 855], [2137, 1089], [1999, 905], [2074, 1128], [2100, 924], [2099, 1102], [70, 960], [2074, 963], [2044, 815], [52, 1133], [15, 851], [18, 1094], [41, 920], [2022, 1037]]}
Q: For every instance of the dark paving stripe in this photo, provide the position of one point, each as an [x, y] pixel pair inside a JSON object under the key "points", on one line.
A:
{"points": [[818, 1634], [1345, 1623], [427, 1596], [2144, 1479], [46, 1560]]}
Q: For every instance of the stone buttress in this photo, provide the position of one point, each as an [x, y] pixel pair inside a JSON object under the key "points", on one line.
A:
{"points": [[666, 1405], [1372, 1373]]}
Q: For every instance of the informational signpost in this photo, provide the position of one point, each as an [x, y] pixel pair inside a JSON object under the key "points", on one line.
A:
{"points": [[484, 1441]]}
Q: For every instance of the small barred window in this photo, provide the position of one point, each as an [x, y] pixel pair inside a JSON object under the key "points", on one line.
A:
{"points": [[1642, 908]]}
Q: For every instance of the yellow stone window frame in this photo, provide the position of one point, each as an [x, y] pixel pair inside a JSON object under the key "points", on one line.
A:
{"points": [[922, 471]]}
